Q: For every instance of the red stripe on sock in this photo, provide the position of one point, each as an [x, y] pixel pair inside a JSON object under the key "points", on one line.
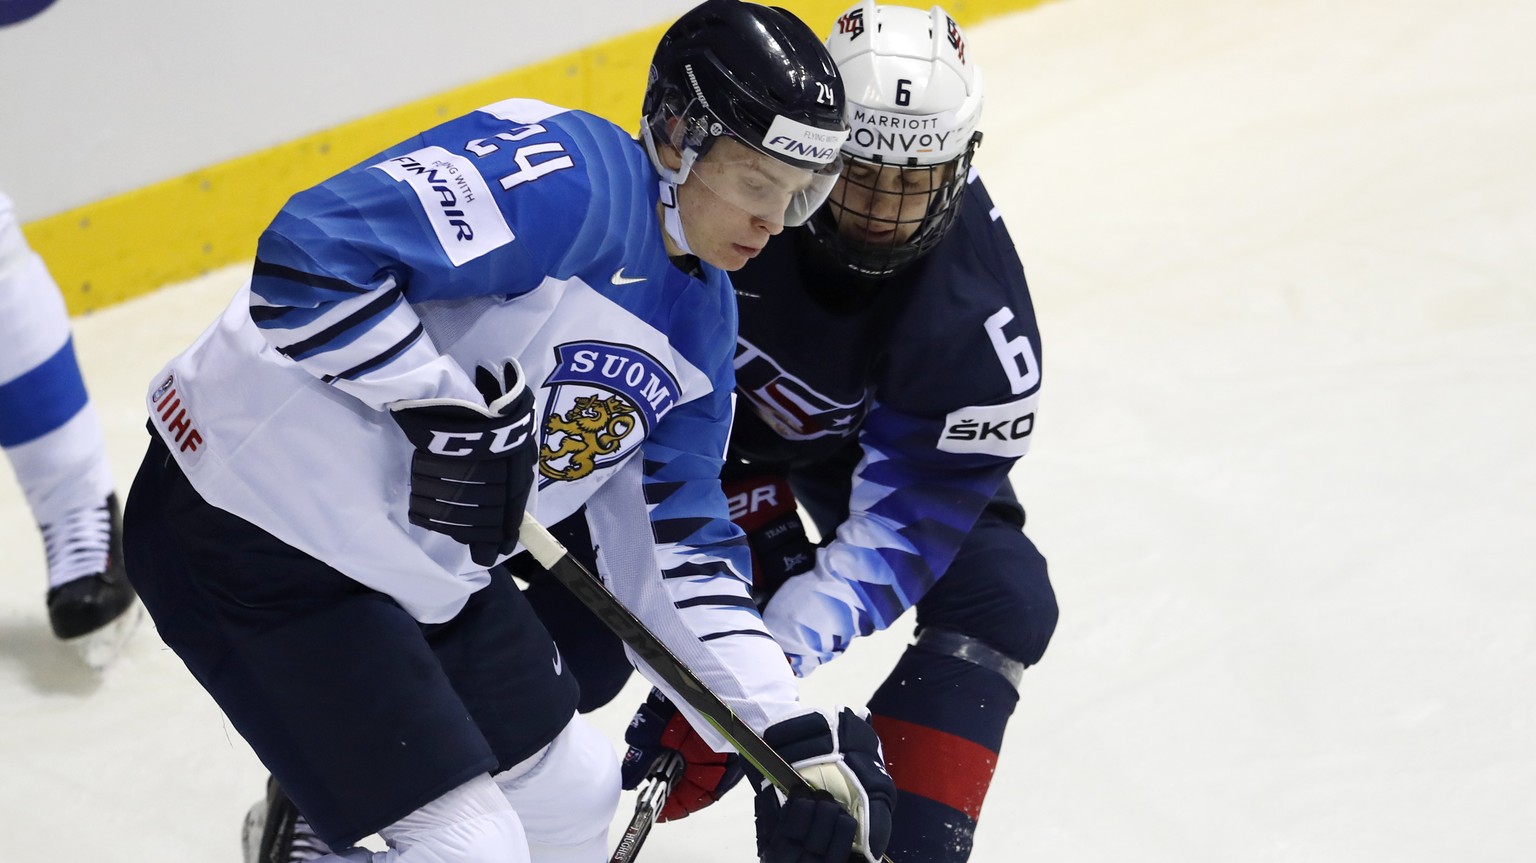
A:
{"points": [[942, 767]]}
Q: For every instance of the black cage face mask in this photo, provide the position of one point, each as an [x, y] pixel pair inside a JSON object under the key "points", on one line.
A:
{"points": [[882, 216]]}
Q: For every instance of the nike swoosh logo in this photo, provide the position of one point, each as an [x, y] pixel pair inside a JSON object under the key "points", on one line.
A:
{"points": [[557, 662], [619, 279], [748, 294]]}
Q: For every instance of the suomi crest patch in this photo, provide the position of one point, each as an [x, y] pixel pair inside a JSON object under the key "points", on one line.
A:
{"points": [[604, 399]]}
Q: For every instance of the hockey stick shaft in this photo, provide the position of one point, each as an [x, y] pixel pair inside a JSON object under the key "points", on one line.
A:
{"points": [[653, 795], [589, 589]]}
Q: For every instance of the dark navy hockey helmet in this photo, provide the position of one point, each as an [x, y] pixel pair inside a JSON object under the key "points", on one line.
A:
{"points": [[752, 73]]}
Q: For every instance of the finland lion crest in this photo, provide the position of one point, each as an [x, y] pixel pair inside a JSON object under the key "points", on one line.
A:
{"points": [[604, 400]]}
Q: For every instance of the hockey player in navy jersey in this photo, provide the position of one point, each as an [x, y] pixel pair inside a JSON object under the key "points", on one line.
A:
{"points": [[53, 439], [520, 309], [888, 368]]}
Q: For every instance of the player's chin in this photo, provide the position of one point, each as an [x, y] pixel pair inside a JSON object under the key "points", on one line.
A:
{"points": [[733, 257], [873, 238]]}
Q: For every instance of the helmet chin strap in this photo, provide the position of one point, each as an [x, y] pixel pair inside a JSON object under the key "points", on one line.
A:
{"points": [[672, 217], [671, 214]]}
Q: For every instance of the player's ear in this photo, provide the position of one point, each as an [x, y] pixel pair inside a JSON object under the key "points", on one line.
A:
{"points": [[669, 154]]}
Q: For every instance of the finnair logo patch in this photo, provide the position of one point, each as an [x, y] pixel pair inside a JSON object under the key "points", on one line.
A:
{"points": [[799, 141], [457, 201]]}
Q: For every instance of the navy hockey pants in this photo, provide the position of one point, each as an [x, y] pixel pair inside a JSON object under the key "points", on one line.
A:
{"points": [[363, 714]]}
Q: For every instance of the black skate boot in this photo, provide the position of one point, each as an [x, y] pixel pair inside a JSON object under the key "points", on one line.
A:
{"points": [[92, 605], [275, 831]]}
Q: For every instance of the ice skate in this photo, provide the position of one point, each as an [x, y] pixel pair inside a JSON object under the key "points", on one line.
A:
{"points": [[91, 606], [275, 832]]}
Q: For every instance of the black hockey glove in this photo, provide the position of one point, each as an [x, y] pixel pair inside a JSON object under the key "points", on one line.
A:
{"points": [[849, 814], [657, 728], [764, 507], [473, 465]]}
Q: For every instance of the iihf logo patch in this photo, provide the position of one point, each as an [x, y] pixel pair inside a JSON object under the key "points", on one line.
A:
{"points": [[165, 387], [603, 400], [174, 419]]}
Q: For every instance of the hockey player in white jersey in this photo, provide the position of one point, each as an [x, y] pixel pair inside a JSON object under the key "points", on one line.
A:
{"points": [[521, 308], [52, 437]]}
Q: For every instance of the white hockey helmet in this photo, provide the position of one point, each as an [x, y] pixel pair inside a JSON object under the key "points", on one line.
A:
{"points": [[914, 98]]}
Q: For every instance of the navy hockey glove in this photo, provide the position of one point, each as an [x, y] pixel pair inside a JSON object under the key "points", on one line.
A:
{"points": [[764, 507], [849, 814], [473, 465], [658, 728]]}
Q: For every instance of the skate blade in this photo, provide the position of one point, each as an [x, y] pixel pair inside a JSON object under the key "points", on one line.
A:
{"points": [[102, 648]]}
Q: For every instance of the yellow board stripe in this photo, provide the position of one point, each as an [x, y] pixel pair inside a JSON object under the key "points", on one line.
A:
{"points": [[130, 244]]}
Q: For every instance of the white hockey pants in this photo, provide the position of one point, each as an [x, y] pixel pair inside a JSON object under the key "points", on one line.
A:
{"points": [[552, 808]]}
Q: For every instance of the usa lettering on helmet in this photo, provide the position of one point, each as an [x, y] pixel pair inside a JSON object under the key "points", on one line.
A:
{"points": [[851, 24], [956, 41]]}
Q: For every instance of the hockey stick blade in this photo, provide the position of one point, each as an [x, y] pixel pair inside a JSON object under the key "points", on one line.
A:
{"points": [[653, 795], [589, 589]]}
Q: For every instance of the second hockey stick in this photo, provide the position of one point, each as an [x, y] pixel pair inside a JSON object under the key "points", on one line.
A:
{"points": [[653, 795], [590, 590]]}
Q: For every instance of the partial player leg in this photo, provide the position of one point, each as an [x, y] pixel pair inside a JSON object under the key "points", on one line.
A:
{"points": [[504, 667], [472, 823], [276, 832], [942, 711], [558, 773], [52, 436], [566, 796], [334, 686], [593, 654], [91, 605]]}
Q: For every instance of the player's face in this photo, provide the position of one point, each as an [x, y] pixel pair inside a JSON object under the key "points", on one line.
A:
{"points": [[883, 205], [734, 200]]}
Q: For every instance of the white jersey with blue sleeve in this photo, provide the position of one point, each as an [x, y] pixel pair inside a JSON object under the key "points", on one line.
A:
{"points": [[519, 231]]}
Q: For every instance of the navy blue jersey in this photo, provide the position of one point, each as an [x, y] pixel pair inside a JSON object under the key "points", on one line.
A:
{"points": [[934, 373]]}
